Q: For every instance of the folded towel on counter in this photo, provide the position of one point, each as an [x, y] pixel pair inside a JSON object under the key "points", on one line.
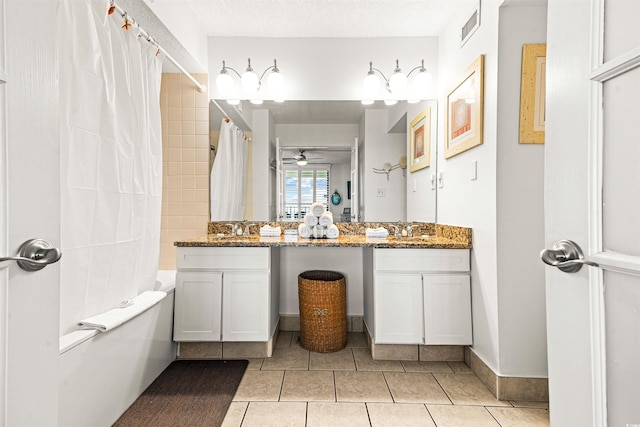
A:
{"points": [[326, 219], [379, 232], [310, 220], [269, 231], [333, 232], [290, 235], [113, 318], [304, 231], [317, 208]]}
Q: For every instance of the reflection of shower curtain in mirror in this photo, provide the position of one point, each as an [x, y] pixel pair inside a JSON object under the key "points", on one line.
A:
{"points": [[228, 181]]}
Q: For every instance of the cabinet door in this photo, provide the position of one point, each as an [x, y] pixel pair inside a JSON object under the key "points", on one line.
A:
{"points": [[198, 306], [398, 309], [246, 306], [447, 309]]}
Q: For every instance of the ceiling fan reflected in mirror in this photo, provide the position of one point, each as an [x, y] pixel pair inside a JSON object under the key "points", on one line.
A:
{"points": [[299, 159]]}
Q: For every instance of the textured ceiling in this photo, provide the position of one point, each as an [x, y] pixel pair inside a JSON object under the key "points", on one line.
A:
{"points": [[323, 18]]}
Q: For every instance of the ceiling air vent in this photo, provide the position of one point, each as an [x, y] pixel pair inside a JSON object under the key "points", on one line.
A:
{"points": [[470, 26]]}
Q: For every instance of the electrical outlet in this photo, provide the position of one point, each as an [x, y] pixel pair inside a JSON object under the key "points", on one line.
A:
{"points": [[381, 192]]}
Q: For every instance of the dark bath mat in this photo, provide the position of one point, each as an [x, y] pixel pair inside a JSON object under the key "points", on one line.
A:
{"points": [[187, 393]]}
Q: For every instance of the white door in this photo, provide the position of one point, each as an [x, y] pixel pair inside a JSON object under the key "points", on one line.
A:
{"points": [[355, 203], [592, 197], [279, 183], [31, 313], [3, 221]]}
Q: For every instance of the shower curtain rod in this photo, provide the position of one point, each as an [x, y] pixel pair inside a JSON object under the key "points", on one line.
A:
{"points": [[201, 88]]}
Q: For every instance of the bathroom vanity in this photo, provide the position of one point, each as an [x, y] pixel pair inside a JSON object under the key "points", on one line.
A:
{"points": [[416, 291]]}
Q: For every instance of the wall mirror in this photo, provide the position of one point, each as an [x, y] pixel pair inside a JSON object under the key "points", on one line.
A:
{"points": [[299, 150]]}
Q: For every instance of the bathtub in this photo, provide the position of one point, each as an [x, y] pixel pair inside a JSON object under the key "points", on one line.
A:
{"points": [[102, 374]]}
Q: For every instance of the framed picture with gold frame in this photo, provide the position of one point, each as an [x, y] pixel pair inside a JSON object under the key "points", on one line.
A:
{"points": [[533, 93], [420, 141], [465, 105]]}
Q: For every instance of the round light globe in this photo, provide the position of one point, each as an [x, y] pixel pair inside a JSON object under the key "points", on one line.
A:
{"points": [[250, 82], [371, 86], [421, 84], [276, 85], [224, 84], [398, 84]]}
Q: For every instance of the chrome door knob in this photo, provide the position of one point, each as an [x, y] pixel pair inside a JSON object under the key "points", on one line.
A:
{"points": [[34, 255], [566, 255]]}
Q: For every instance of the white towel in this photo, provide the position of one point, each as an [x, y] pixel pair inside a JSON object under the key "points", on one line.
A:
{"points": [[379, 232], [326, 219], [304, 231], [333, 232], [113, 318], [317, 208], [310, 220], [268, 231]]}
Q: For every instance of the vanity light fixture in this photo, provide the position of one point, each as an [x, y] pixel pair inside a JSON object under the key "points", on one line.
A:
{"points": [[251, 83], [397, 86]]}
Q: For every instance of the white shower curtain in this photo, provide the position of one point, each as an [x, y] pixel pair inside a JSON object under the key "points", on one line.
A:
{"points": [[228, 177], [111, 161]]}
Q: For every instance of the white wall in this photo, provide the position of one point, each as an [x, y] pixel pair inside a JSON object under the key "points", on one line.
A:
{"points": [[315, 135], [261, 145], [340, 174], [322, 68], [421, 197], [520, 206], [383, 147], [179, 21], [473, 203], [504, 205]]}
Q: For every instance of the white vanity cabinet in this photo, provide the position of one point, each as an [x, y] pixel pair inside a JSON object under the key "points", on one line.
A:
{"points": [[226, 294], [418, 296]]}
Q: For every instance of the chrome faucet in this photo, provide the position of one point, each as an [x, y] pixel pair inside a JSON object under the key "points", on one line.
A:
{"points": [[396, 231], [234, 229], [246, 229]]}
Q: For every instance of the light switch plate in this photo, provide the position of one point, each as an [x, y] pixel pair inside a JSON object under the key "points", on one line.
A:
{"points": [[381, 192]]}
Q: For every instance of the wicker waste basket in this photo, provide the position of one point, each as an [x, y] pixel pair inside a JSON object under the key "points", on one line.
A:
{"points": [[323, 311]]}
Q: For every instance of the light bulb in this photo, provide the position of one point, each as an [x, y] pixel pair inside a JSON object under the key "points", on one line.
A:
{"points": [[256, 101], [276, 84], [371, 85], [398, 84], [421, 84], [224, 84], [302, 162], [412, 101], [250, 81], [367, 101], [233, 101], [390, 102]]}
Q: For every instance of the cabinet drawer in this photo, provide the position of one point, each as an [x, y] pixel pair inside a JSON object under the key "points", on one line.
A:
{"points": [[421, 260], [228, 258]]}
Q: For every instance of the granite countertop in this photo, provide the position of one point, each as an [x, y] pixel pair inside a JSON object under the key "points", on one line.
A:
{"points": [[441, 237]]}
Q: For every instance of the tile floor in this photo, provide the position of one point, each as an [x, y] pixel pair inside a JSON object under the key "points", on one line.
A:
{"points": [[296, 387]]}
